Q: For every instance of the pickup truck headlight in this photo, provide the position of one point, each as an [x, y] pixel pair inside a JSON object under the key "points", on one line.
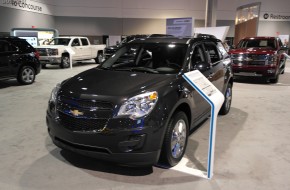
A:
{"points": [[53, 52], [271, 59], [139, 106]]}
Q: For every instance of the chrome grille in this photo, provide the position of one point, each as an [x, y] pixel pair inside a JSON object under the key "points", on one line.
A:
{"points": [[83, 114]]}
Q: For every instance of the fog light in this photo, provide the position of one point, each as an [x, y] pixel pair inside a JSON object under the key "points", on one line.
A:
{"points": [[271, 71], [134, 142]]}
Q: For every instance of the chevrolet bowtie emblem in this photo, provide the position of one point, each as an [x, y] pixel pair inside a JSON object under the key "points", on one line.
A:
{"points": [[76, 113]]}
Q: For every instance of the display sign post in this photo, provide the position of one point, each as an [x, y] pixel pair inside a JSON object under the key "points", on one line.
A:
{"points": [[71, 53], [215, 98]]}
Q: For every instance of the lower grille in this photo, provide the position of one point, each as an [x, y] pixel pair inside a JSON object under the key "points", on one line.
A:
{"points": [[81, 124], [249, 62]]}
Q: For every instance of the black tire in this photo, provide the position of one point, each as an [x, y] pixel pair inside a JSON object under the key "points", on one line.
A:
{"points": [[65, 62], [276, 79], [43, 66], [228, 100], [99, 58], [174, 144], [26, 75]]}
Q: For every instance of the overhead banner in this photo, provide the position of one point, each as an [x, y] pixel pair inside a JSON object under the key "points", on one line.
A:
{"points": [[180, 26], [27, 5], [270, 16]]}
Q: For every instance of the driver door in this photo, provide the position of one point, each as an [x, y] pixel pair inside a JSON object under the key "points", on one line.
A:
{"points": [[77, 48]]}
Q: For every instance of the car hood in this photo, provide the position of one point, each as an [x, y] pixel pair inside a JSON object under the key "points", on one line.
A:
{"points": [[253, 50], [106, 83]]}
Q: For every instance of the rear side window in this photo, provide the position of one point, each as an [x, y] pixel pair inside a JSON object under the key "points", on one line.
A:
{"points": [[212, 52], [6, 47], [84, 42], [23, 46]]}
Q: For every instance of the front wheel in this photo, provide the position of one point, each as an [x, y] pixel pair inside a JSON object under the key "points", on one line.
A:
{"points": [[26, 75], [65, 61], [276, 79], [175, 140], [228, 100], [99, 58]]}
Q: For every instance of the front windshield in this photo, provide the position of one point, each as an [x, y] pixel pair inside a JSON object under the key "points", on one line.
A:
{"points": [[149, 58], [259, 43], [59, 41]]}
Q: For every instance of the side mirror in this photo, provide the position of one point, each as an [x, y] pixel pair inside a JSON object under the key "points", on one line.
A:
{"points": [[284, 48], [202, 66]]}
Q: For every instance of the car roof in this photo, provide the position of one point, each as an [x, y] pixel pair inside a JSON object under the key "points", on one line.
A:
{"points": [[10, 38], [174, 40]]}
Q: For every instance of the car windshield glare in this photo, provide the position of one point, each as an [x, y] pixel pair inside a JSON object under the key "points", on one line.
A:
{"points": [[150, 58], [60, 41], [259, 43]]}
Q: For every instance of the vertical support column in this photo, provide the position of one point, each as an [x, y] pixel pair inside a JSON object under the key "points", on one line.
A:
{"points": [[210, 13]]}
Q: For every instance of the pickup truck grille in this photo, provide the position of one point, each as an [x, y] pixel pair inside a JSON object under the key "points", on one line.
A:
{"points": [[83, 115], [250, 59], [249, 62]]}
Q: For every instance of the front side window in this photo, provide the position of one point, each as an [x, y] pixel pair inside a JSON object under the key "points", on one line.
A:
{"points": [[150, 58], [76, 42], [59, 41]]}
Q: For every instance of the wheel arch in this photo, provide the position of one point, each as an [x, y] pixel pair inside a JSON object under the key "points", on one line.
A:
{"points": [[27, 64]]}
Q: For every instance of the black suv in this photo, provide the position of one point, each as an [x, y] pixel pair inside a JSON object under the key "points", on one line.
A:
{"points": [[136, 108], [18, 59]]}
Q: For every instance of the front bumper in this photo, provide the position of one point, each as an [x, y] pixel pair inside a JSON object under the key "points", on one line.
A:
{"points": [[50, 60], [254, 71], [136, 144]]}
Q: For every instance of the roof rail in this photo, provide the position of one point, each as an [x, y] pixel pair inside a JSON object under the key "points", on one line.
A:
{"points": [[207, 36]]}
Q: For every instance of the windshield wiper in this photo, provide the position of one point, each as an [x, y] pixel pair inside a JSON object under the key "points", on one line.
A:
{"points": [[138, 69], [106, 68]]}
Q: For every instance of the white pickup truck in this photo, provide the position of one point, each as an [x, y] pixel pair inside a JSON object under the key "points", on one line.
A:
{"points": [[58, 51]]}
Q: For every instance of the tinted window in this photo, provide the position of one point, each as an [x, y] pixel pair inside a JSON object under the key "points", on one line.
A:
{"points": [[154, 58], [84, 42], [6, 47], [197, 55], [23, 46], [76, 42], [212, 52], [59, 41]]}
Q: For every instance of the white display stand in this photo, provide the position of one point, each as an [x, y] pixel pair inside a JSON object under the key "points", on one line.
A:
{"points": [[215, 98], [71, 53]]}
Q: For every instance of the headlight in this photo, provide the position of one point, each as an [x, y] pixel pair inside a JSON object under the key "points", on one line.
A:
{"points": [[139, 106], [53, 94], [271, 59], [53, 51]]}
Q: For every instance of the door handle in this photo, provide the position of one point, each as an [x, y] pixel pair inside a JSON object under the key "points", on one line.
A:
{"points": [[210, 75]]}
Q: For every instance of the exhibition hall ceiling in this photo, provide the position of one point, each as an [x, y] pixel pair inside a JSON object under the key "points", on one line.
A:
{"points": [[226, 9]]}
